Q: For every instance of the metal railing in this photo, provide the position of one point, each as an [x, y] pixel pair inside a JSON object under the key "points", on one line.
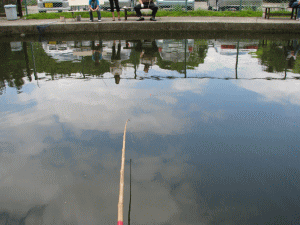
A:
{"points": [[30, 6]]}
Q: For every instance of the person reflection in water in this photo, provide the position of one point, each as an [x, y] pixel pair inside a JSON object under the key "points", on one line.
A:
{"points": [[292, 52], [116, 67], [97, 52], [148, 50]]}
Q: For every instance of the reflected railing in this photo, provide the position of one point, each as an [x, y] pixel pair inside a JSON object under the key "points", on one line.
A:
{"points": [[147, 59]]}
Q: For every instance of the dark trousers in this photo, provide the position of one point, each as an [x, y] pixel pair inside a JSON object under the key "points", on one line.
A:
{"points": [[151, 6], [98, 13], [115, 56], [295, 5], [111, 2], [97, 47]]}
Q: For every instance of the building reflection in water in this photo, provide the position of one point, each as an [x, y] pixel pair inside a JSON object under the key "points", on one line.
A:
{"points": [[115, 59]]}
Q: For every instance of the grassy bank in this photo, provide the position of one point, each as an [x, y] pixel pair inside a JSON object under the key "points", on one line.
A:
{"points": [[160, 13]]}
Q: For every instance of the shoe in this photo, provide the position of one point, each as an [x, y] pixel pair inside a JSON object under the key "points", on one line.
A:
{"points": [[141, 19], [99, 20], [119, 19], [91, 21], [152, 19]]}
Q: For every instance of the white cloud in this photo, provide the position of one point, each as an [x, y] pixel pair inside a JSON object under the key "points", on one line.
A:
{"points": [[280, 91], [71, 197], [196, 86]]}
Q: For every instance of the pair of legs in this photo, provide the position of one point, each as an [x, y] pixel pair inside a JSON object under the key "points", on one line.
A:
{"points": [[116, 55], [296, 5], [98, 13], [97, 47], [111, 2], [150, 5]]}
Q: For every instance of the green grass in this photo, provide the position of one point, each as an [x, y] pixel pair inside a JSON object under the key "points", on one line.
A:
{"points": [[160, 13], [243, 13], [288, 13], [67, 15]]}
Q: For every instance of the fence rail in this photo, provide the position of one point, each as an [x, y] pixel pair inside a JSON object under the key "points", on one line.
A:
{"points": [[31, 6]]}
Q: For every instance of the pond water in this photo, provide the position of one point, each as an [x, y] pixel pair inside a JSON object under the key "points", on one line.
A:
{"points": [[213, 136]]}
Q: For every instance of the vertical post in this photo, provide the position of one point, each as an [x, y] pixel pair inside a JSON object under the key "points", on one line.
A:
{"points": [[134, 62], [184, 58], [121, 192], [34, 69], [237, 59], [26, 10], [83, 59], [285, 69], [26, 60], [186, 5]]}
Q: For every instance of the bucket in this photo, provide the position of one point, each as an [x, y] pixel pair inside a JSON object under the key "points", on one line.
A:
{"points": [[11, 12]]}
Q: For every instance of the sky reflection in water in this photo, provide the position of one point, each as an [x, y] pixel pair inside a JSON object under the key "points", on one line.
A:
{"points": [[208, 149]]}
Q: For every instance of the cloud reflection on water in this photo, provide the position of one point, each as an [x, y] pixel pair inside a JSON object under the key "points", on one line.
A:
{"points": [[63, 153], [75, 188]]}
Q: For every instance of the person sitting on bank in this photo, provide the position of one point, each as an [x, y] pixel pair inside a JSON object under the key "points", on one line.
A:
{"points": [[148, 53], [292, 52], [97, 52], [295, 4], [94, 6], [146, 4]]}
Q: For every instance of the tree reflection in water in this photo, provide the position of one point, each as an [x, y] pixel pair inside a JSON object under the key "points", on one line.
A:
{"points": [[103, 59]]}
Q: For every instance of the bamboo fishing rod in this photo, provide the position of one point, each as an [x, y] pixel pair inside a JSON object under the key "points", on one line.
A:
{"points": [[121, 192], [129, 208]]}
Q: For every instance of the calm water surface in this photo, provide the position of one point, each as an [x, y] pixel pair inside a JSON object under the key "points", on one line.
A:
{"points": [[213, 133]]}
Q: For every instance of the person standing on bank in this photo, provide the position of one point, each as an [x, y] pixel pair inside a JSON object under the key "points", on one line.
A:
{"points": [[94, 6], [112, 9], [146, 4], [116, 66]]}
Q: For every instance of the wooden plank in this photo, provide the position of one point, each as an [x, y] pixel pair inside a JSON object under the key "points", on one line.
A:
{"points": [[275, 7]]}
